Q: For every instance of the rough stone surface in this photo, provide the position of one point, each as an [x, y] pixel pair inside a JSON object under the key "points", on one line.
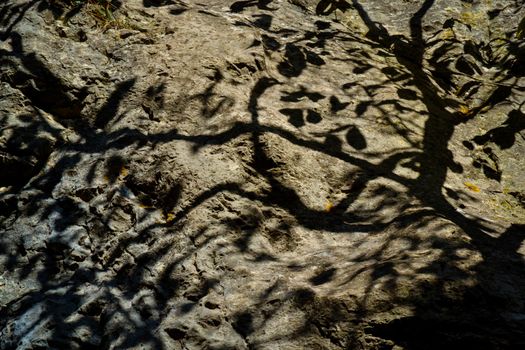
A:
{"points": [[251, 175]]}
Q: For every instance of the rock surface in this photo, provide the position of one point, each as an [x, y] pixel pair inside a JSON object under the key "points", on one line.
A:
{"points": [[250, 175]]}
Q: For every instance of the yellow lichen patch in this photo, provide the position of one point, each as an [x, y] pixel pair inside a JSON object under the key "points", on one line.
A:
{"points": [[505, 204], [124, 172], [328, 206], [473, 18], [471, 186], [464, 110], [169, 216], [447, 34]]}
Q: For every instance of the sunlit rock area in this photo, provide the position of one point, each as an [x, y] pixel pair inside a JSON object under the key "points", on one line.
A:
{"points": [[262, 174]]}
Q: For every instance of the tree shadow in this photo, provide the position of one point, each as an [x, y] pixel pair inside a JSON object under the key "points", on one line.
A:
{"points": [[434, 162]]}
